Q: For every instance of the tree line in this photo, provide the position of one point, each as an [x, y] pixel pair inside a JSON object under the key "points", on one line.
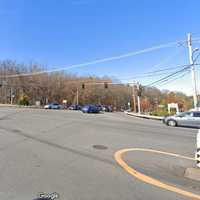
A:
{"points": [[57, 86]]}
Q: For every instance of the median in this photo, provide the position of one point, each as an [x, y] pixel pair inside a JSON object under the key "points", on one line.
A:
{"points": [[144, 116]]}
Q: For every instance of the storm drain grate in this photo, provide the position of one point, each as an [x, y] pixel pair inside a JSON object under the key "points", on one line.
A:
{"points": [[100, 147]]}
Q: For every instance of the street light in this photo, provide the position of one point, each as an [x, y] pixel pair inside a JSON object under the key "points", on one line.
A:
{"points": [[193, 73], [195, 50]]}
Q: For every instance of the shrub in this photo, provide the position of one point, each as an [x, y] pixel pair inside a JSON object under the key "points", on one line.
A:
{"points": [[162, 113], [24, 100]]}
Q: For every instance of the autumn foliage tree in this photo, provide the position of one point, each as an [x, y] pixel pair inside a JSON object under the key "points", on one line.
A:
{"points": [[54, 87]]}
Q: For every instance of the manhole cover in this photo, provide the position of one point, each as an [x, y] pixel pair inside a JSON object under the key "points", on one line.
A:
{"points": [[100, 147]]}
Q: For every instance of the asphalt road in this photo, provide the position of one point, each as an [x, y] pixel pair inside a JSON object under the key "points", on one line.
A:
{"points": [[52, 151]]}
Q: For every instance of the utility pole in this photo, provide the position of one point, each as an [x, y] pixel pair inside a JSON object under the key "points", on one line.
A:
{"points": [[194, 82], [134, 100], [138, 98], [11, 96], [77, 96]]}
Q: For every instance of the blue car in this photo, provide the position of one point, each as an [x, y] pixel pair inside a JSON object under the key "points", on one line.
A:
{"points": [[90, 109], [75, 107]]}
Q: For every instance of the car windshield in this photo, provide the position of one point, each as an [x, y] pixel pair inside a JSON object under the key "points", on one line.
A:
{"points": [[99, 100], [186, 114]]}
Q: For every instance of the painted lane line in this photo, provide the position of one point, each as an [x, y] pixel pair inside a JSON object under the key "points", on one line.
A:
{"points": [[147, 179]]}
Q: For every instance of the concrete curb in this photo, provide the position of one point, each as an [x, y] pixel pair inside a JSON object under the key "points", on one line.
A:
{"points": [[192, 173], [8, 105], [18, 106], [144, 116]]}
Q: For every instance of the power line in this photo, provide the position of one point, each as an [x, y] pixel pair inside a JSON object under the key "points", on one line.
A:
{"points": [[162, 80], [175, 78], [168, 76], [196, 58], [130, 54], [166, 60], [100, 82], [155, 73], [196, 39], [144, 76]]}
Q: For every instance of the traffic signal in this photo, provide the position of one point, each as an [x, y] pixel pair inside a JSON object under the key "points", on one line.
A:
{"points": [[83, 85], [139, 90], [2, 83], [106, 85]]}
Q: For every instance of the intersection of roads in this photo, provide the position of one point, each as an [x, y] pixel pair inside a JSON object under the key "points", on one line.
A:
{"points": [[93, 156]]}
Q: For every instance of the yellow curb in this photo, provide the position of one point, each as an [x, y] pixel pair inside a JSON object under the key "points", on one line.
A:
{"points": [[148, 179]]}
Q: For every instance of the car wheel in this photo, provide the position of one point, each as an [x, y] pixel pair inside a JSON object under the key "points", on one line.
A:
{"points": [[171, 123]]}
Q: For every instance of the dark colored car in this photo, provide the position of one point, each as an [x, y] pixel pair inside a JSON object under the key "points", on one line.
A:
{"points": [[75, 107], [99, 106], [90, 109], [52, 106]]}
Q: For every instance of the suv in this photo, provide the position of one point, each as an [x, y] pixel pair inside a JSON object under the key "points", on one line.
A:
{"points": [[191, 119]]}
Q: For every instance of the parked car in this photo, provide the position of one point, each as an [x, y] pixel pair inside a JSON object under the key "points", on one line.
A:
{"points": [[107, 108], [99, 106], [52, 106], [75, 107], [190, 119], [90, 109]]}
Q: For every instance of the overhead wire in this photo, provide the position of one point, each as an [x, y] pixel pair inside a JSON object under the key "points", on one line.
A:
{"points": [[168, 76], [130, 54], [147, 74], [166, 60], [175, 78], [155, 73]]}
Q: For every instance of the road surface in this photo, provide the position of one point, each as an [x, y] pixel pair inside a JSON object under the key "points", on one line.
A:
{"points": [[72, 153]]}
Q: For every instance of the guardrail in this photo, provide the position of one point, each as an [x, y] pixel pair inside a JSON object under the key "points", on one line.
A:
{"points": [[144, 116]]}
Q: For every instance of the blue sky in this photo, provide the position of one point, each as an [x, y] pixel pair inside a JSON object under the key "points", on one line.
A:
{"points": [[60, 33]]}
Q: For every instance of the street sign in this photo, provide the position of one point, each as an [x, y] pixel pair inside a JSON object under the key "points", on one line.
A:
{"points": [[173, 105]]}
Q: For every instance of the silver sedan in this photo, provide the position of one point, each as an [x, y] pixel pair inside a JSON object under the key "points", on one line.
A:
{"points": [[190, 119]]}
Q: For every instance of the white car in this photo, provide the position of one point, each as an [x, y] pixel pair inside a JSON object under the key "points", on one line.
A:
{"points": [[52, 106], [47, 106]]}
